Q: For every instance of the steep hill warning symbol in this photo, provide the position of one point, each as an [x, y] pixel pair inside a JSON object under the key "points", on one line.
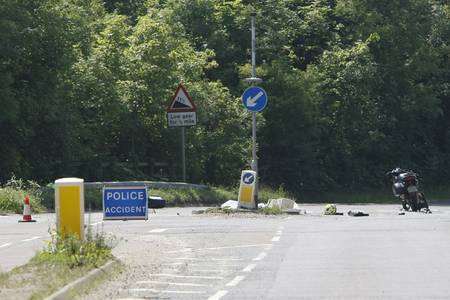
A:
{"points": [[181, 102]]}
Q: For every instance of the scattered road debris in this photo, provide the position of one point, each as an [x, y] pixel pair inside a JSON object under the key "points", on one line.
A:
{"points": [[357, 214]]}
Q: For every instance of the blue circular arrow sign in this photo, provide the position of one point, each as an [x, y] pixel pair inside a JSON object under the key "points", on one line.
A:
{"points": [[254, 99], [248, 178]]}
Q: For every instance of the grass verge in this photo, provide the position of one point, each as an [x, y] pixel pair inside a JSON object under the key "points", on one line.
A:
{"points": [[64, 260]]}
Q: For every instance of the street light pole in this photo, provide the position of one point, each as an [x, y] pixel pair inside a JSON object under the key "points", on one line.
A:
{"points": [[254, 163]]}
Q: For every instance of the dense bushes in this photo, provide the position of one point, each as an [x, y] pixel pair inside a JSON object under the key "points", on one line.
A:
{"points": [[13, 193], [355, 88]]}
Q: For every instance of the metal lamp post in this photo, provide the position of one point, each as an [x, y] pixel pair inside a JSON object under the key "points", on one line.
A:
{"points": [[253, 81]]}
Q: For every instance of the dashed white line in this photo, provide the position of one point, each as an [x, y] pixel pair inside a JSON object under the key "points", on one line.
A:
{"points": [[220, 248], [249, 268], [186, 276], [235, 281], [174, 264], [93, 224], [31, 239], [214, 266], [212, 259], [158, 230], [5, 245], [218, 295], [182, 250], [260, 256], [209, 271], [276, 238], [171, 283], [166, 291]]}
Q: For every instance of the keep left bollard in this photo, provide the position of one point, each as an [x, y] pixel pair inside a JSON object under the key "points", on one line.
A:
{"points": [[69, 206]]}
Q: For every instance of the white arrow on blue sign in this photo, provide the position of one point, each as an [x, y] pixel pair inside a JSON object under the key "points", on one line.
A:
{"points": [[248, 178], [254, 99]]}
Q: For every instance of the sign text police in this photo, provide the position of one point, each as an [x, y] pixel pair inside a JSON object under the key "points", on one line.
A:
{"points": [[124, 203]]}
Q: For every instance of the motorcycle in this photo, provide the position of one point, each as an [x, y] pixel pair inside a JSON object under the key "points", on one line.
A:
{"points": [[405, 187]]}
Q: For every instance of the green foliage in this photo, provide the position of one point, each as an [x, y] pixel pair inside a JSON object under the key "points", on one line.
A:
{"points": [[229, 211], [69, 250], [210, 196], [13, 193], [355, 87], [270, 211]]}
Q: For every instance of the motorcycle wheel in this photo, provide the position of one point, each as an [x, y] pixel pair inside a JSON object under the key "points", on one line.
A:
{"points": [[405, 205], [422, 201], [413, 203]]}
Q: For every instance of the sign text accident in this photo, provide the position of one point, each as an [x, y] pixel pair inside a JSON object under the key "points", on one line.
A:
{"points": [[125, 203]]}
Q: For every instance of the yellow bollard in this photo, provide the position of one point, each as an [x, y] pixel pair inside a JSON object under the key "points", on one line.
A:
{"points": [[69, 206], [247, 189]]}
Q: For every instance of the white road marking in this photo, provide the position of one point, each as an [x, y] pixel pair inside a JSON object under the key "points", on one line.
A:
{"points": [[208, 271], [260, 256], [31, 239], [249, 268], [166, 291], [220, 248], [93, 224], [212, 259], [183, 250], [211, 266], [158, 230], [174, 264], [171, 283], [5, 245], [281, 227], [235, 281], [279, 232], [218, 295], [276, 238], [185, 276]]}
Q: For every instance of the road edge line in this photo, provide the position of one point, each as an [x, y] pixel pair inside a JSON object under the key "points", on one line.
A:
{"points": [[65, 291]]}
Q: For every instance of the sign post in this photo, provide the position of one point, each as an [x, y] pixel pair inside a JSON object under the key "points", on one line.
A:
{"points": [[125, 203], [182, 112], [255, 100]]}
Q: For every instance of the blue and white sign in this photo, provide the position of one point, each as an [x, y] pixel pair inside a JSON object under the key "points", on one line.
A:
{"points": [[254, 99], [248, 178], [125, 203]]}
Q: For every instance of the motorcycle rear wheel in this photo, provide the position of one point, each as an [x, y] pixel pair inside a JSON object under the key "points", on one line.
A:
{"points": [[405, 205], [422, 201], [413, 201]]}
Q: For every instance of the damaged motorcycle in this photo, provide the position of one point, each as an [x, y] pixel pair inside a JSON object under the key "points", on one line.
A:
{"points": [[405, 187]]}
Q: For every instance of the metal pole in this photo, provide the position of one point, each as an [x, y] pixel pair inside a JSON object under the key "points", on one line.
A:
{"points": [[253, 46], [183, 153], [254, 157]]}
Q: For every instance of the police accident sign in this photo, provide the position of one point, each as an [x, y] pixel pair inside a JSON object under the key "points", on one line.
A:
{"points": [[125, 203]]}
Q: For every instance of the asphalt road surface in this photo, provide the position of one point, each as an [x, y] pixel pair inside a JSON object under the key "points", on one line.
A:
{"points": [[177, 255]]}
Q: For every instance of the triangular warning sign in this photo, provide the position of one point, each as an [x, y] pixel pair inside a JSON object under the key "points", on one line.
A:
{"points": [[181, 101]]}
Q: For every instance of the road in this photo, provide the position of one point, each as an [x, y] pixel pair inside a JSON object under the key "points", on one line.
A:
{"points": [[177, 255]]}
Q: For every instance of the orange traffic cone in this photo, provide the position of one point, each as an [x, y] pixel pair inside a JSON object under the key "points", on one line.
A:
{"points": [[26, 211]]}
